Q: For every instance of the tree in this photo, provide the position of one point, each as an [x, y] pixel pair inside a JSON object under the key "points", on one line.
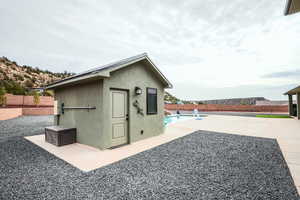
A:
{"points": [[36, 98], [2, 96]]}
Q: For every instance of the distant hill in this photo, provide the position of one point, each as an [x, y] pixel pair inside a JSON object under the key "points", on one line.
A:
{"points": [[170, 98], [236, 101], [233, 101], [18, 79]]}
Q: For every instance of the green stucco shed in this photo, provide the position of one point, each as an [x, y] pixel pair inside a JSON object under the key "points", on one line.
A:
{"points": [[114, 104]]}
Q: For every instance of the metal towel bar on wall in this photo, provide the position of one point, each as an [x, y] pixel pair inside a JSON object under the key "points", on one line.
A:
{"points": [[76, 107], [89, 107]]}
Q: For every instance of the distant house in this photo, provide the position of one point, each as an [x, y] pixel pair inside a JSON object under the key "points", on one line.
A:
{"points": [[114, 104], [37, 89], [292, 6]]}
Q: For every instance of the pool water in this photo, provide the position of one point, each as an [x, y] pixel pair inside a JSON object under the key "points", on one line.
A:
{"points": [[174, 118]]}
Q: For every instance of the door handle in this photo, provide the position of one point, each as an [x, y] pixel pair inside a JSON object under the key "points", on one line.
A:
{"points": [[127, 117]]}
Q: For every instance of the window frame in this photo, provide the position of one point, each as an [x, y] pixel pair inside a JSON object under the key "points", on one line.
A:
{"points": [[147, 100]]}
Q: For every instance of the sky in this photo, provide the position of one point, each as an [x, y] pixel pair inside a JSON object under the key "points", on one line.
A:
{"points": [[208, 49]]}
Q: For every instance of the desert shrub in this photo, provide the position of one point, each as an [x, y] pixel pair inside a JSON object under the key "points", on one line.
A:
{"points": [[33, 79], [19, 77], [2, 96], [12, 87], [36, 98], [28, 83], [48, 93], [26, 76]]}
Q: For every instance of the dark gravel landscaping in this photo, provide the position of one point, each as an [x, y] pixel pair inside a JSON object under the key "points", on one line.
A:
{"points": [[203, 165], [24, 126]]}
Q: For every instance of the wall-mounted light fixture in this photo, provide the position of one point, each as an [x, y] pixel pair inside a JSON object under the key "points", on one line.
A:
{"points": [[138, 91]]}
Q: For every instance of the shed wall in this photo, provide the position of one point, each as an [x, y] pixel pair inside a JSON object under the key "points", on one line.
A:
{"points": [[87, 122], [128, 78]]}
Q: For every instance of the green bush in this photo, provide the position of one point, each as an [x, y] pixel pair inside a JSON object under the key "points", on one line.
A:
{"points": [[12, 87], [48, 93], [2, 96], [36, 98]]}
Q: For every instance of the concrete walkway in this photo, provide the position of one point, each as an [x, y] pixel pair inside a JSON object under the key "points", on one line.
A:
{"points": [[286, 131]]}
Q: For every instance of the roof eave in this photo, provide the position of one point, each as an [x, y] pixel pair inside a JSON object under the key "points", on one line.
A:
{"points": [[106, 73], [293, 91], [167, 82], [287, 7], [78, 79]]}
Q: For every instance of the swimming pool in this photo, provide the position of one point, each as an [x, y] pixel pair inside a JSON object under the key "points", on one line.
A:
{"points": [[174, 118]]}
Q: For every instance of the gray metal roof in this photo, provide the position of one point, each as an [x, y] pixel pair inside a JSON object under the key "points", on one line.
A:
{"points": [[293, 91], [111, 66], [291, 7], [287, 7]]}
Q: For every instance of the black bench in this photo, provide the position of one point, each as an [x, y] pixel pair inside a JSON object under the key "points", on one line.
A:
{"points": [[60, 136]]}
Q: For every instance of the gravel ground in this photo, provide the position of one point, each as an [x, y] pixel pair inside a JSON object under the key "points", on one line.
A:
{"points": [[202, 165], [24, 126]]}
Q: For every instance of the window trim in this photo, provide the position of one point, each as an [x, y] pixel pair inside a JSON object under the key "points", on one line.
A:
{"points": [[147, 101]]}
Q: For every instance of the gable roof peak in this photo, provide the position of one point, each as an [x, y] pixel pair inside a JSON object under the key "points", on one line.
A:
{"points": [[106, 69]]}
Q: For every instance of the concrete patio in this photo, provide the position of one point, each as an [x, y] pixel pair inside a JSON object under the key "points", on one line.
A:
{"points": [[284, 130]]}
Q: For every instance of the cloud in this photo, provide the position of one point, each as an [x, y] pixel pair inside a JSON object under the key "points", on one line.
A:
{"points": [[284, 74], [203, 44]]}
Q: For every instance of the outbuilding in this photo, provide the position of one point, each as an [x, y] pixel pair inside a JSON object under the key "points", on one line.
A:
{"points": [[114, 104], [294, 109]]}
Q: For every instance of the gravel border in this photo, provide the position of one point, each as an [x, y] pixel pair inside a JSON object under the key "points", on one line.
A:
{"points": [[202, 165], [24, 126]]}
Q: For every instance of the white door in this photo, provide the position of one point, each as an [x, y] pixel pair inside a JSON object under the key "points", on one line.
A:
{"points": [[119, 117]]}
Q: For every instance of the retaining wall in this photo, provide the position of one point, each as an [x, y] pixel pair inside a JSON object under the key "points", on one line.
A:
{"points": [[38, 111], [9, 113], [27, 101], [18, 105]]}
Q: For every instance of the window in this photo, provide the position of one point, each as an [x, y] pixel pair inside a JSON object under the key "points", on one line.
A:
{"points": [[151, 101]]}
